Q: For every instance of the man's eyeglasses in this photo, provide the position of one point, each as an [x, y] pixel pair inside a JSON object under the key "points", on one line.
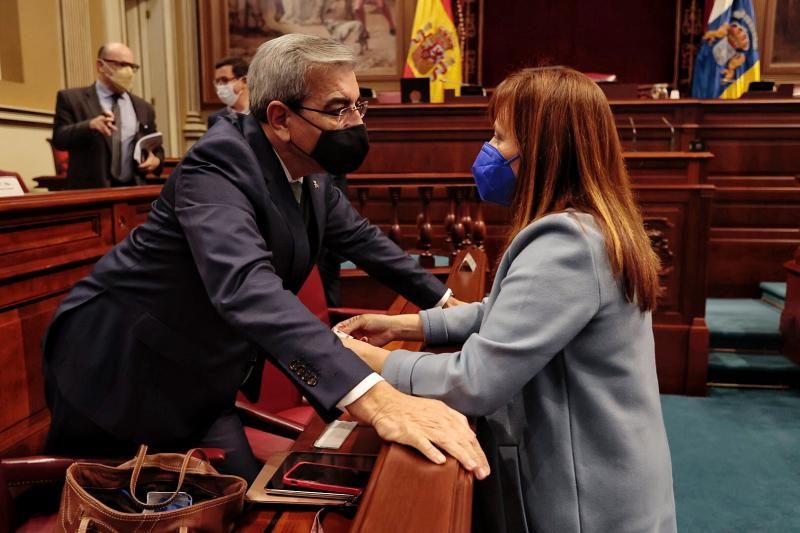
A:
{"points": [[224, 80], [359, 107], [120, 64]]}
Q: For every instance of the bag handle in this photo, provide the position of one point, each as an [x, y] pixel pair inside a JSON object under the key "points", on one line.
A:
{"points": [[137, 469], [86, 521]]}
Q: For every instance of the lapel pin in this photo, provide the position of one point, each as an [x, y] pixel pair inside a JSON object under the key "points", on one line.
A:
{"points": [[316, 185]]}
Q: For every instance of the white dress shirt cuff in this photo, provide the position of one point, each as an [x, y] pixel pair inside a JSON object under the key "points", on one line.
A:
{"points": [[359, 390], [447, 294]]}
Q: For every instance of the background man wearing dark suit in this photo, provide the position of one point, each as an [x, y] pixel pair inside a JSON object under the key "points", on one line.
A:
{"points": [[230, 82], [100, 124], [153, 345]]}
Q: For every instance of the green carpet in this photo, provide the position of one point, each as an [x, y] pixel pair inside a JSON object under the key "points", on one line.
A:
{"points": [[774, 292], [741, 323], [736, 460], [752, 368]]}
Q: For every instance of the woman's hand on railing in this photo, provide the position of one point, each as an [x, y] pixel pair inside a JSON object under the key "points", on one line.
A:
{"points": [[378, 330]]}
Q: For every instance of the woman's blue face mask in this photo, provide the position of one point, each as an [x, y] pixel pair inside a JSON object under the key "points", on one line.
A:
{"points": [[494, 176]]}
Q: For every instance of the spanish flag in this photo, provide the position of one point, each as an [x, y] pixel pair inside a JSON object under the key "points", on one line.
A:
{"points": [[728, 58], [435, 52]]}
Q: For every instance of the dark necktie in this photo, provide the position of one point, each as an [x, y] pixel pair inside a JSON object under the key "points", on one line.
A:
{"points": [[116, 139], [297, 190]]}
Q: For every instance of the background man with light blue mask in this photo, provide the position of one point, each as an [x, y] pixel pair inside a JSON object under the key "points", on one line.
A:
{"points": [[230, 83]]}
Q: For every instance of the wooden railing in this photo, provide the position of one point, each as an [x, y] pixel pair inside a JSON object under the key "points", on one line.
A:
{"points": [[790, 316], [441, 497], [441, 214]]}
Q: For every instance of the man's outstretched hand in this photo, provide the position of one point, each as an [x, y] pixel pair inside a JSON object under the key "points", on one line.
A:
{"points": [[424, 424]]}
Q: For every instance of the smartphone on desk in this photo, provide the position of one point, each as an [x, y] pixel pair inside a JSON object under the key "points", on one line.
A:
{"points": [[329, 478]]}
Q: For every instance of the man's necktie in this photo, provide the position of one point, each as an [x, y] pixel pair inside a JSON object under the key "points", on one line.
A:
{"points": [[116, 139], [297, 190]]}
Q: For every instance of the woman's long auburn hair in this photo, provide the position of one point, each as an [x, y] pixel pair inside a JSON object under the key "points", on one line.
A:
{"points": [[571, 157]]}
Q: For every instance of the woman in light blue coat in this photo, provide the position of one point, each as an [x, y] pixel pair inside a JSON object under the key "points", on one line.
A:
{"points": [[558, 361]]}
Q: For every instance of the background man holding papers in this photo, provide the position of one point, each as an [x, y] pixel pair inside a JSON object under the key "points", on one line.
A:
{"points": [[100, 124]]}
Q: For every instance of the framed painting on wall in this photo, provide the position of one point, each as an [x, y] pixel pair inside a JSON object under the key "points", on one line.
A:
{"points": [[779, 39], [372, 29]]}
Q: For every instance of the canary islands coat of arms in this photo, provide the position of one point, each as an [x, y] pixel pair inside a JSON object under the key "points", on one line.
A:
{"points": [[732, 42]]}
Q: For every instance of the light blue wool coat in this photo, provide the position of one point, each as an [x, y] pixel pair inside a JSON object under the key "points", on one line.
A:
{"points": [[562, 371]]}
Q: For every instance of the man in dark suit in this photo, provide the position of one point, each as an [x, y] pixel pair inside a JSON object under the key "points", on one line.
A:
{"points": [[153, 345], [100, 124], [230, 83]]}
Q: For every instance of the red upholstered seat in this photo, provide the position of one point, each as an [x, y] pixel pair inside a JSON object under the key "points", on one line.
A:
{"points": [[278, 395], [280, 407], [312, 294], [60, 160], [266, 444]]}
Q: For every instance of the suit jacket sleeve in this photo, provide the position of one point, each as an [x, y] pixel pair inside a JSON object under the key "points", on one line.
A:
{"points": [[235, 264], [549, 294], [69, 133], [353, 237]]}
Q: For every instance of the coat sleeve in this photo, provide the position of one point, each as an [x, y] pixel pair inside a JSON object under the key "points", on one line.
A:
{"points": [[159, 151], [149, 126], [453, 325], [549, 294], [353, 237], [68, 132], [235, 265]]}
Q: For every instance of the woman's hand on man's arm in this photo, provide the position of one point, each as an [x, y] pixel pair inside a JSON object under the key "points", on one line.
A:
{"points": [[378, 330]]}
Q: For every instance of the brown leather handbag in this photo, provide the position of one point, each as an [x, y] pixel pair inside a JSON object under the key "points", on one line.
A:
{"points": [[103, 498]]}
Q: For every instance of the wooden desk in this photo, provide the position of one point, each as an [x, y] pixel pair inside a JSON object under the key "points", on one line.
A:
{"points": [[47, 243], [59, 183], [406, 493]]}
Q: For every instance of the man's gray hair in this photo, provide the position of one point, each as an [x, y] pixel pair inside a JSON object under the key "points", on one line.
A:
{"points": [[280, 67]]}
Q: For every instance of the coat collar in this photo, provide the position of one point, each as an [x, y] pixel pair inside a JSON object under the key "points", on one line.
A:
{"points": [[281, 193]]}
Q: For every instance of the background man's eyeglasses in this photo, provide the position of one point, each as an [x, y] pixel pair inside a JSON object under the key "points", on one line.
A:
{"points": [[359, 107], [120, 64], [223, 80]]}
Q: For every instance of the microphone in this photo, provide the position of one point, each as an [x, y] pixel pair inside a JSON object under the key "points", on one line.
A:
{"points": [[633, 131], [671, 133]]}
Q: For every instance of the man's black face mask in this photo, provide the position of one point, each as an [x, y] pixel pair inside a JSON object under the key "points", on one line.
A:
{"points": [[340, 151]]}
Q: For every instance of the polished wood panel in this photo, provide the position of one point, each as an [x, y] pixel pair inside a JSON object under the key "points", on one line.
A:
{"points": [[47, 243], [754, 145], [790, 317], [676, 218], [634, 40]]}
